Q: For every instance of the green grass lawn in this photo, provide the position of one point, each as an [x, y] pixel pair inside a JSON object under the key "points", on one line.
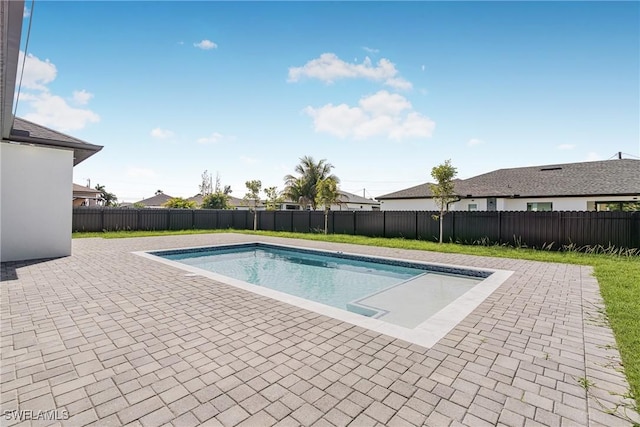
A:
{"points": [[618, 276]]}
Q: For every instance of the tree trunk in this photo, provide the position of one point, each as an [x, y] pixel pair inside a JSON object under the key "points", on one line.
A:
{"points": [[255, 218], [326, 221]]}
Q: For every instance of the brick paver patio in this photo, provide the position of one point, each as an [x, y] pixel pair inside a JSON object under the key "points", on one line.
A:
{"points": [[105, 337]]}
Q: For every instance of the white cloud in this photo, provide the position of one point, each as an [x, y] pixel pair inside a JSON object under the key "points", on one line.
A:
{"points": [[160, 133], [26, 13], [399, 83], [54, 112], [81, 97], [566, 147], [328, 68], [212, 139], [474, 141], [371, 50], [381, 114], [206, 45], [37, 73], [46, 108], [141, 173]]}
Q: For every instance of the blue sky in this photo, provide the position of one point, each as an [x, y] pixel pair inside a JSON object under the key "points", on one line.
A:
{"points": [[382, 90]]}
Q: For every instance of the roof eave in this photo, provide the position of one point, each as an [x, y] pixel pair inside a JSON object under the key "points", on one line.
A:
{"points": [[81, 151], [12, 16]]}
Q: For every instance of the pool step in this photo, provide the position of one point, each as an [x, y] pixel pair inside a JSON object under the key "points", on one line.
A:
{"points": [[412, 302]]}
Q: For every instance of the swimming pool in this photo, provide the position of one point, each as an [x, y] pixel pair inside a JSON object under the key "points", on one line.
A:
{"points": [[410, 300]]}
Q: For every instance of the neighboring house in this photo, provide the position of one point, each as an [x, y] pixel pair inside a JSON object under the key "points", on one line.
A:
{"points": [[586, 186], [85, 196], [349, 202], [353, 202], [154, 202], [36, 165]]}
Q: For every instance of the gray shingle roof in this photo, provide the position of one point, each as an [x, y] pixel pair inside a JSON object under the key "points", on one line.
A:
{"points": [[608, 177], [77, 188], [29, 132], [354, 198], [157, 200]]}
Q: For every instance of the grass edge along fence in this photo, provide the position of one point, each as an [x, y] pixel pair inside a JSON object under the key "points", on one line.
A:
{"points": [[548, 230]]}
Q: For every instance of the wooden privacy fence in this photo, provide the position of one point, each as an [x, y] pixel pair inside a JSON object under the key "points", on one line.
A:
{"points": [[533, 229]]}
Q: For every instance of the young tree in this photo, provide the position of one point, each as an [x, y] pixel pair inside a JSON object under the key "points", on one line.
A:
{"points": [[274, 199], [138, 205], [253, 195], [206, 186], [443, 190], [179, 203], [327, 195], [215, 201], [108, 199]]}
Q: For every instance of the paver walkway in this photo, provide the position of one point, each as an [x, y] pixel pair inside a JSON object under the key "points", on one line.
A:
{"points": [[110, 338]]}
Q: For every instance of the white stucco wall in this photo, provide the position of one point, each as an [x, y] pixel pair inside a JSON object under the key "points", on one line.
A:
{"points": [[35, 202], [408, 205], [563, 203], [502, 204]]}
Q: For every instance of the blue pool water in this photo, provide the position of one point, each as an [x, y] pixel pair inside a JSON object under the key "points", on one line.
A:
{"points": [[400, 292], [325, 279]]}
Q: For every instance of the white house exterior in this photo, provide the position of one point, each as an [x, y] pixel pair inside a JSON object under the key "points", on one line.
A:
{"points": [[36, 166], [586, 186]]}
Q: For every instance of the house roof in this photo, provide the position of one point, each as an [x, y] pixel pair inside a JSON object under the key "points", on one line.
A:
{"points": [[354, 198], [11, 16], [32, 133], [77, 188], [601, 178], [157, 200]]}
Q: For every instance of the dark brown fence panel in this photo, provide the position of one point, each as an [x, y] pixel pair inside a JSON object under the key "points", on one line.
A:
{"points": [[243, 220], [266, 220], [87, 219], [180, 219], [531, 229], [369, 223], [283, 221], [225, 219], [153, 219], [635, 230], [598, 228], [300, 221], [120, 219], [205, 219], [343, 222], [427, 227], [401, 224], [316, 222], [476, 227]]}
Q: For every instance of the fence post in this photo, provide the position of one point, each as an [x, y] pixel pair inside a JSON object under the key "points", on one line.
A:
{"points": [[500, 227], [355, 233], [168, 219], [384, 223], [102, 218]]}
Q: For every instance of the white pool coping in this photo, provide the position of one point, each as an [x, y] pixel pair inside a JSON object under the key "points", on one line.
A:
{"points": [[425, 334]]}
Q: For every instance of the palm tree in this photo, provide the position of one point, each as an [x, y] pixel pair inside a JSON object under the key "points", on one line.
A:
{"points": [[295, 191], [304, 186], [328, 194]]}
